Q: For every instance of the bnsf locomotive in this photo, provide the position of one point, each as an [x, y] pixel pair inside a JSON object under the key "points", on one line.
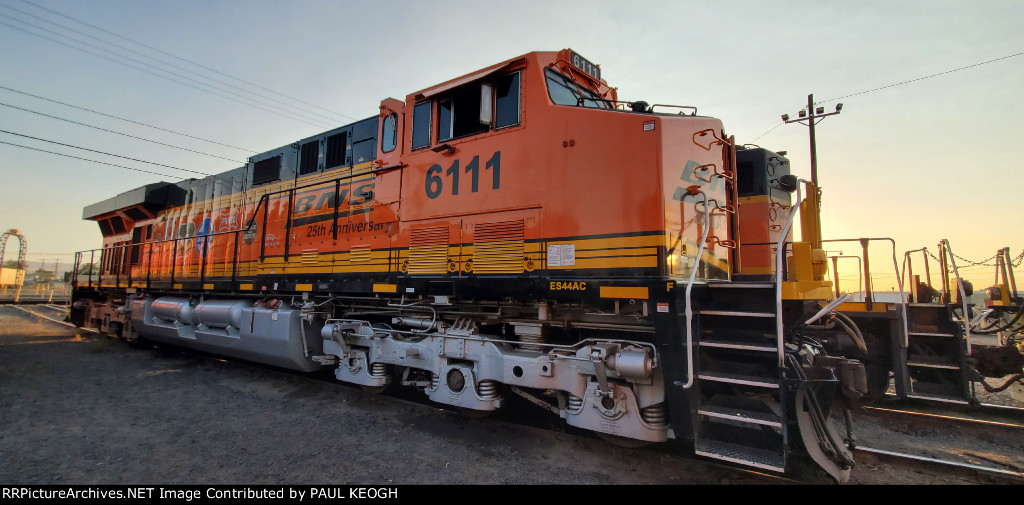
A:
{"points": [[517, 231]]}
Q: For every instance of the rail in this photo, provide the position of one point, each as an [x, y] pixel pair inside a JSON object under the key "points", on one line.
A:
{"points": [[945, 260], [780, 253], [868, 295], [689, 285], [966, 321]]}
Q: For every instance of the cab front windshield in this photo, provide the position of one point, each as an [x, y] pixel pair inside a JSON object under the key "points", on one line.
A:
{"points": [[563, 91]]}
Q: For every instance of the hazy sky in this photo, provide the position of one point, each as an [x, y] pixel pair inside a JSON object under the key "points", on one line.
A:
{"points": [[916, 162]]}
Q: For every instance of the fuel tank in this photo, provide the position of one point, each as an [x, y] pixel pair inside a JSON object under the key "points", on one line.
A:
{"points": [[232, 328]]}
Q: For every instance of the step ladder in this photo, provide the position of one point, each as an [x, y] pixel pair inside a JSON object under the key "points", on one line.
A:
{"points": [[740, 413], [934, 366]]}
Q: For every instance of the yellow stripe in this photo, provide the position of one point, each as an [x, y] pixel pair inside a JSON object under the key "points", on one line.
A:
{"points": [[246, 287], [303, 287], [647, 251], [807, 290], [640, 262], [177, 286], [385, 288], [207, 286], [613, 242], [861, 307], [639, 293]]}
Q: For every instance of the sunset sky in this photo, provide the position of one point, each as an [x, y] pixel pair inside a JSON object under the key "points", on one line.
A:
{"points": [[915, 161]]}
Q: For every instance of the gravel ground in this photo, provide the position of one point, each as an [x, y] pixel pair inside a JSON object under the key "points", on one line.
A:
{"points": [[94, 410]]}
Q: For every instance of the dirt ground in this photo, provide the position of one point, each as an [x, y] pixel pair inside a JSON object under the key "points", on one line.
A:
{"points": [[93, 410]]}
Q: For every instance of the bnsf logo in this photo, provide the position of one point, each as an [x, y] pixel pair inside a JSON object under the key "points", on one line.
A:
{"points": [[361, 195]]}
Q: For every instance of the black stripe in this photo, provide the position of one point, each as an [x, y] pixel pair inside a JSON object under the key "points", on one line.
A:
{"points": [[602, 235], [655, 255], [303, 221]]}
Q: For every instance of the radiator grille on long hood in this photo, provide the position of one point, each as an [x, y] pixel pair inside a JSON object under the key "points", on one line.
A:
{"points": [[428, 250], [498, 247]]}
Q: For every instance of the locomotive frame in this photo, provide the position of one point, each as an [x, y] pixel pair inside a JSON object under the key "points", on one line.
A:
{"points": [[514, 231]]}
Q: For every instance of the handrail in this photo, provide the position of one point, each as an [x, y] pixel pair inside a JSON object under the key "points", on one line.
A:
{"points": [[963, 295], [899, 278], [780, 252], [689, 286]]}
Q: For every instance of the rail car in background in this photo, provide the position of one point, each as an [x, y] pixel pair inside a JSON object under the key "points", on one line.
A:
{"points": [[517, 230]]}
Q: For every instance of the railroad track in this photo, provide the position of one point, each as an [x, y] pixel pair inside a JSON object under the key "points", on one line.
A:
{"points": [[993, 475], [57, 309], [998, 418], [923, 403], [865, 454], [965, 421]]}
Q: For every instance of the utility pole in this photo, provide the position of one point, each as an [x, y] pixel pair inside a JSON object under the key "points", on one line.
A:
{"points": [[814, 145], [812, 116]]}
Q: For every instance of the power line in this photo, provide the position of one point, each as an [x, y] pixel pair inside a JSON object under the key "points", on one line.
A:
{"points": [[163, 62], [126, 120], [896, 84], [186, 61], [923, 78], [86, 159], [101, 152], [294, 118], [118, 133], [769, 131]]}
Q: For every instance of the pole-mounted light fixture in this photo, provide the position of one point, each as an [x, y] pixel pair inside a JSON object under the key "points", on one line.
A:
{"points": [[812, 115]]}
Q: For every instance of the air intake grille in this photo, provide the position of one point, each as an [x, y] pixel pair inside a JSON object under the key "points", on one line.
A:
{"points": [[428, 250], [266, 170], [498, 247], [360, 254], [310, 256], [309, 158]]}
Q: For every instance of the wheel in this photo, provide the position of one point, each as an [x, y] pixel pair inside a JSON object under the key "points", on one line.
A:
{"points": [[374, 390]]}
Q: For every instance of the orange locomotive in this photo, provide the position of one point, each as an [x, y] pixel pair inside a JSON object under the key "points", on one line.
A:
{"points": [[514, 231]]}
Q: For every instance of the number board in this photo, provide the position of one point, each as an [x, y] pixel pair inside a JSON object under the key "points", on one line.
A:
{"points": [[585, 65]]}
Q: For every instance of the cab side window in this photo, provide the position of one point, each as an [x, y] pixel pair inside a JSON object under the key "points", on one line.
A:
{"points": [[470, 109], [506, 100], [421, 125], [389, 133]]}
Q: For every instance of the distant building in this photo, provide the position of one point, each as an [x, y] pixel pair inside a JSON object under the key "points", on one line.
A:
{"points": [[8, 276]]}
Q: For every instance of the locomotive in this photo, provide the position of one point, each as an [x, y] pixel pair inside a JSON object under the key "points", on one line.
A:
{"points": [[516, 231]]}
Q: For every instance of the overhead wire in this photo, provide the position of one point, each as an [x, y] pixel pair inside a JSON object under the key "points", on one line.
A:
{"points": [[117, 133], [87, 159], [896, 84], [767, 132], [177, 67], [311, 122], [126, 120], [102, 152], [923, 78], [186, 60]]}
